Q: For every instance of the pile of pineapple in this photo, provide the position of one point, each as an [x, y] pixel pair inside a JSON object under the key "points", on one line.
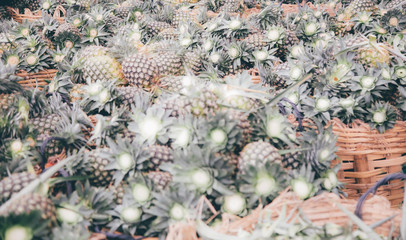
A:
{"points": [[153, 110]]}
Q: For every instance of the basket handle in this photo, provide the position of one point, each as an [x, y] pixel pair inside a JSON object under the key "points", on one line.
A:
{"points": [[43, 146], [59, 12], [361, 200]]}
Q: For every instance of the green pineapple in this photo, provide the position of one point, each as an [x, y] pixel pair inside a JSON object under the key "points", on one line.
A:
{"points": [[257, 154], [140, 71]]}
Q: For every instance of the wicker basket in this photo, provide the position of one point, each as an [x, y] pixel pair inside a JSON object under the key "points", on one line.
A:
{"points": [[320, 210], [59, 14], [39, 79], [367, 156]]}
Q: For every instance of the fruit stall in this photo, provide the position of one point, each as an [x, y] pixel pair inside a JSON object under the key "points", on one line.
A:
{"points": [[202, 119]]}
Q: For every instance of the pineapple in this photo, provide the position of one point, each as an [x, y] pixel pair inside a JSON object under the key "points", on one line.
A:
{"points": [[230, 6], [203, 102], [15, 183], [279, 82], [373, 54], [292, 161], [255, 41], [141, 71], [46, 126], [99, 176], [192, 61], [394, 4], [358, 6], [257, 154], [168, 34], [67, 35], [168, 62], [161, 180], [155, 27], [182, 16], [127, 95], [33, 202], [159, 155], [118, 192], [104, 68]]}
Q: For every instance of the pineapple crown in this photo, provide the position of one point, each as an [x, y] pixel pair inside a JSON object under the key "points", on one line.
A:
{"points": [[275, 34], [70, 232], [182, 133], [220, 132], [274, 125], [106, 127], [94, 34], [28, 225], [99, 97], [48, 25], [126, 158], [128, 216], [36, 61], [238, 53], [151, 125], [268, 15], [122, 46], [60, 84], [233, 27], [87, 204], [382, 116], [350, 108], [262, 185], [368, 83], [171, 206], [263, 57], [319, 106], [97, 15], [321, 148], [200, 169]]}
